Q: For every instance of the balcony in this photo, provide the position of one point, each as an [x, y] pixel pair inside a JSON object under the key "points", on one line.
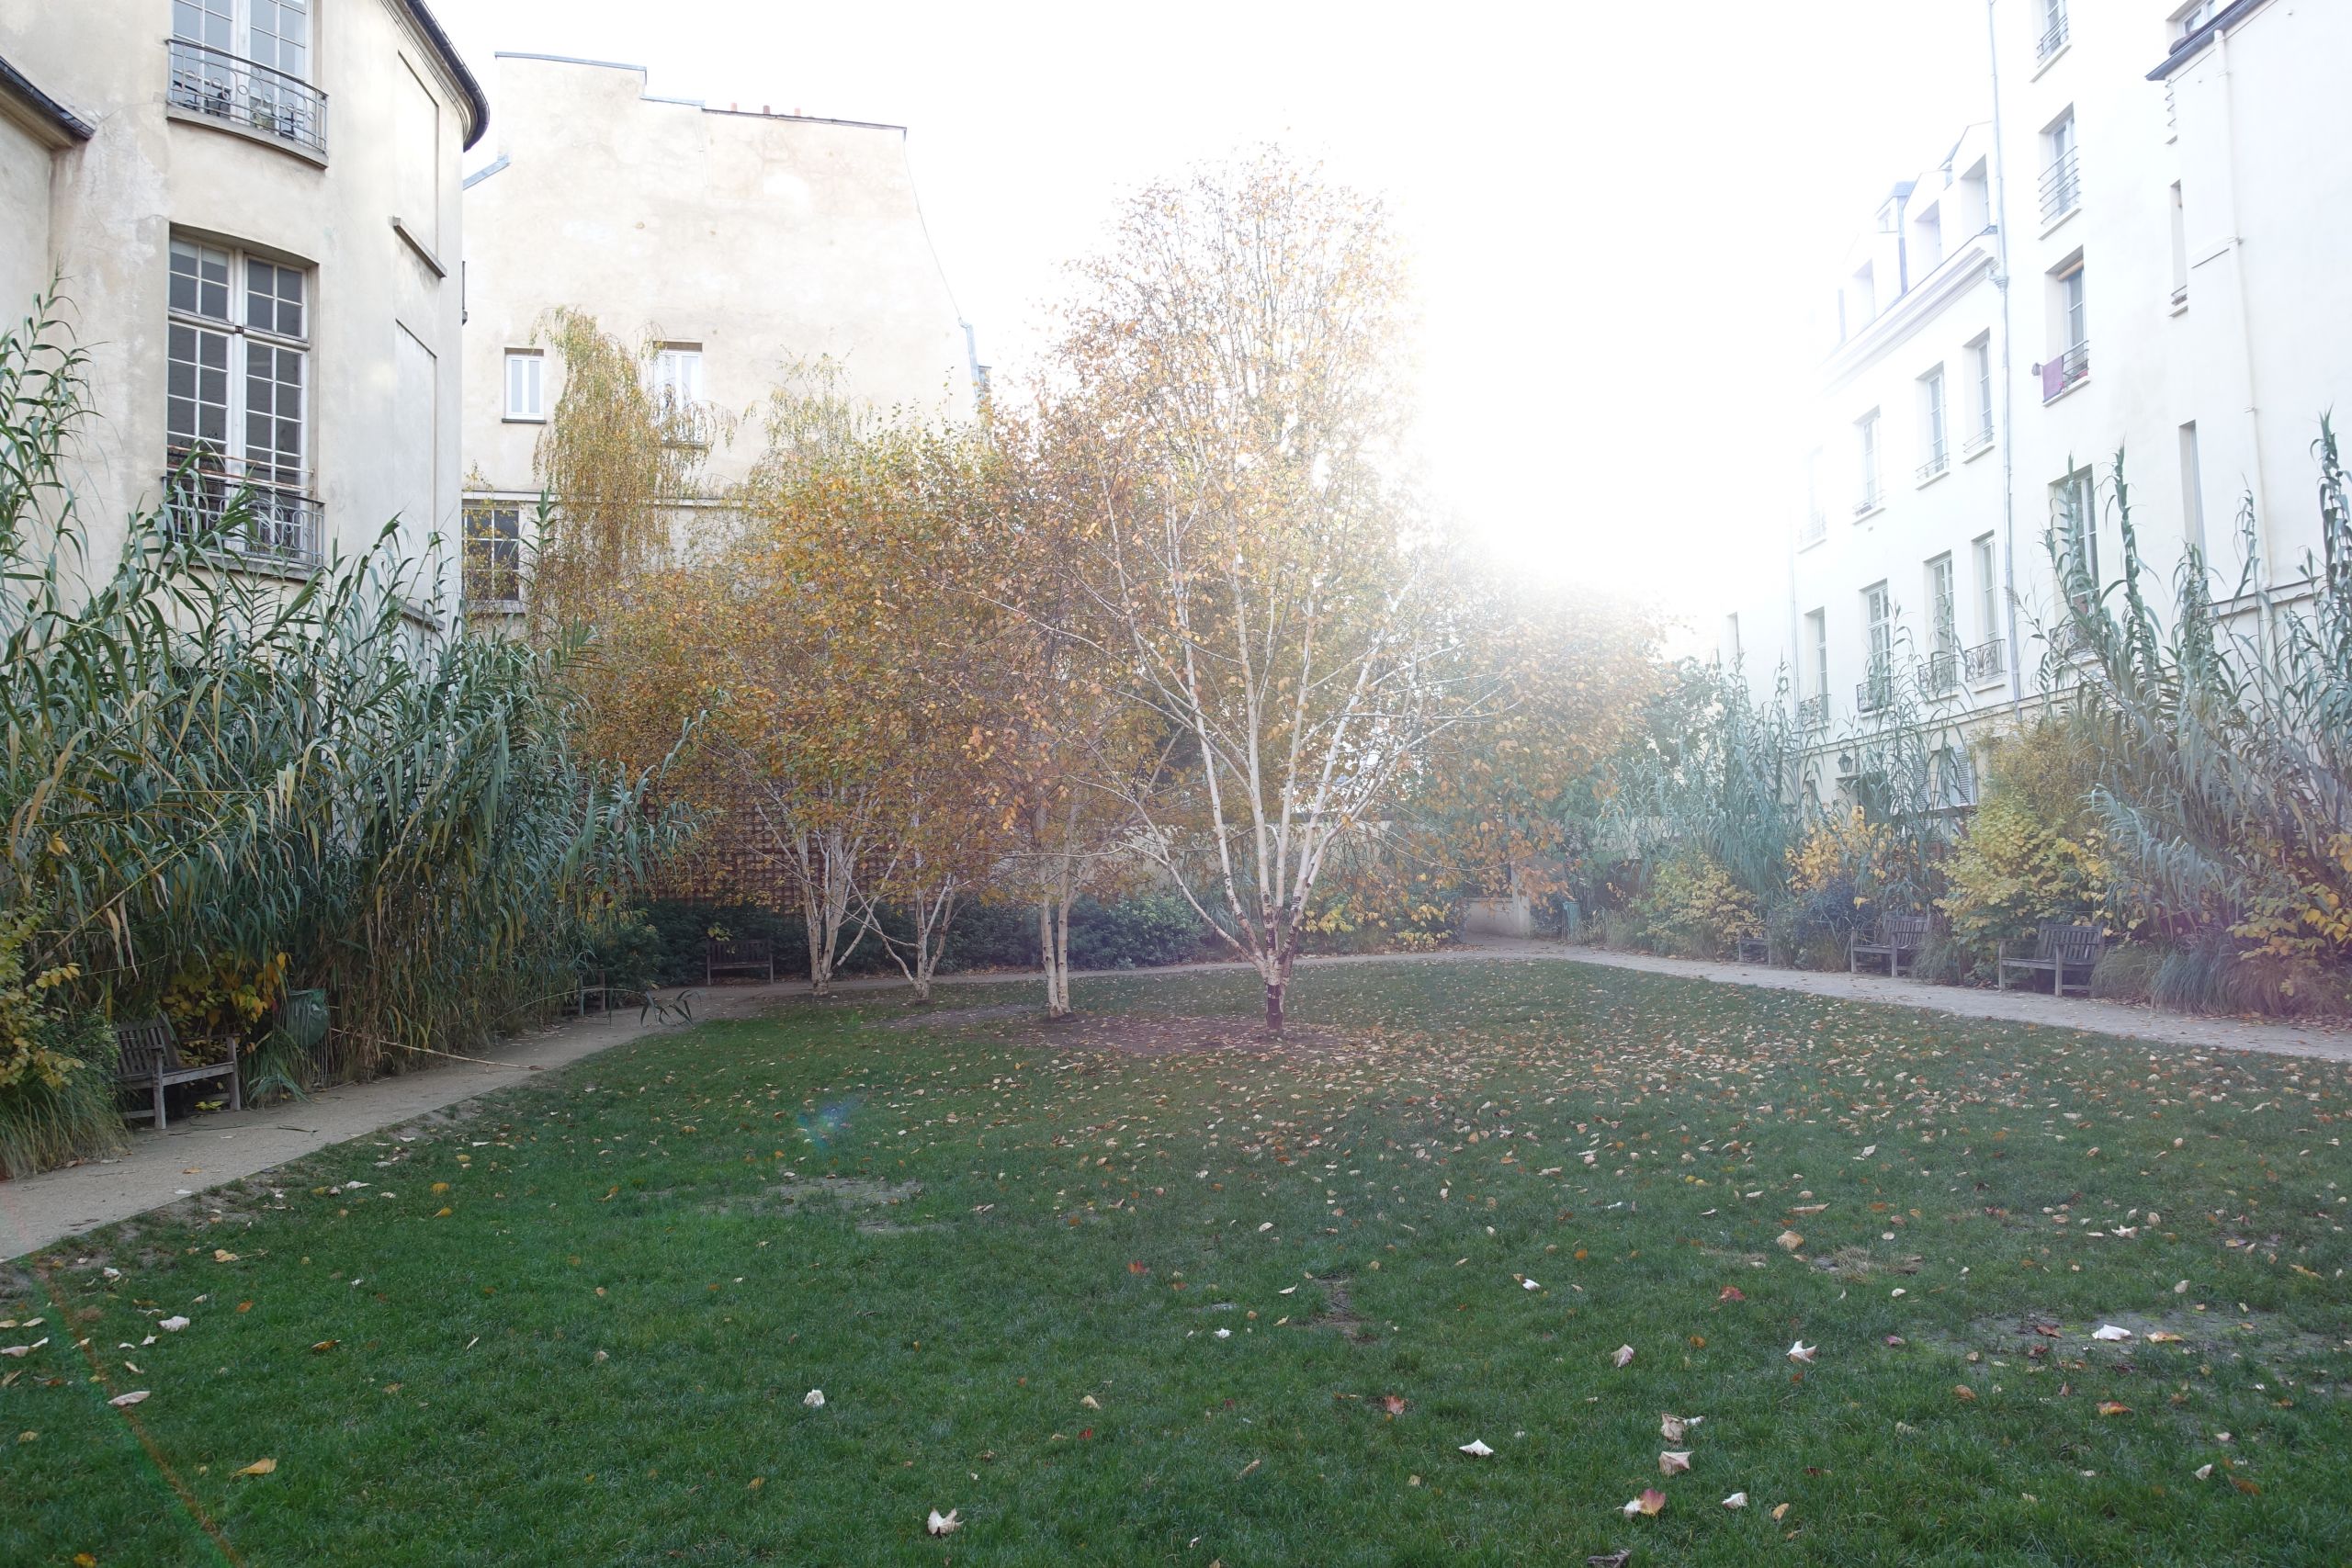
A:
{"points": [[1875, 693], [1984, 661], [1813, 712], [1977, 442], [1940, 673], [1815, 529], [1934, 467], [222, 86], [2054, 36], [2070, 369], [244, 515], [1870, 503], [2061, 186]]}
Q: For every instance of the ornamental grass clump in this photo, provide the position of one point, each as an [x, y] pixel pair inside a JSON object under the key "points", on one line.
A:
{"points": [[219, 788]]}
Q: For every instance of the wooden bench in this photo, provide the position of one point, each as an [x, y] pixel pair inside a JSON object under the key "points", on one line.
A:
{"points": [[753, 956], [1754, 950], [2057, 947], [148, 1058], [1899, 936]]}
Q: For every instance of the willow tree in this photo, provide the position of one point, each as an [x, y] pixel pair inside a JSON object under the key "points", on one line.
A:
{"points": [[1232, 409]]}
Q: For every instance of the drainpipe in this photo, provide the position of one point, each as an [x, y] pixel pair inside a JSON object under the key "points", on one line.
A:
{"points": [[2008, 378], [2270, 570]]}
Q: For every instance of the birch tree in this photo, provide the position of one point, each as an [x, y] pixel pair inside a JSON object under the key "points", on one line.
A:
{"points": [[1232, 404]]}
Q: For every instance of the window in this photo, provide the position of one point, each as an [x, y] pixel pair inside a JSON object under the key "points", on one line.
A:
{"points": [[2054, 29], [677, 375], [1931, 409], [1866, 451], [248, 61], [1731, 639], [1878, 618], [2179, 248], [2190, 19], [2192, 490], [1988, 593], [493, 561], [1980, 355], [1927, 239], [1814, 708], [2062, 186], [2071, 363], [237, 396], [526, 392], [2075, 520], [1816, 521], [1943, 627]]}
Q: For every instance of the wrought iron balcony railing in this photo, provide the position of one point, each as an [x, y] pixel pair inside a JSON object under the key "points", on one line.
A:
{"points": [[2062, 185], [1977, 441], [1940, 673], [1868, 504], [1935, 465], [2068, 369], [1875, 693], [1815, 529], [246, 514], [225, 86], [1984, 661], [2054, 36], [1813, 712]]}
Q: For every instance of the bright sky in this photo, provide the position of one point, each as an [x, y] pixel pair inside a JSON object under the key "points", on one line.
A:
{"points": [[1623, 213]]}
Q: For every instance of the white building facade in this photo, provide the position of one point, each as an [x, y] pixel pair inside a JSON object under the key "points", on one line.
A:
{"points": [[2140, 251], [251, 208], [736, 244]]}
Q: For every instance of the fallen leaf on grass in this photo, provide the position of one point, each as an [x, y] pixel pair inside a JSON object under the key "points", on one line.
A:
{"points": [[1673, 1461], [1737, 1500], [1731, 1293], [944, 1524], [1623, 1355], [1608, 1559], [125, 1401], [1651, 1502], [1247, 1468], [1393, 1403], [2108, 1331], [1800, 1352], [258, 1467], [324, 1346], [2161, 1338], [2113, 1407], [1781, 1512], [2204, 1472], [173, 1325], [1672, 1427], [1790, 1240], [1476, 1449], [22, 1350], [1089, 1403], [1961, 1391]]}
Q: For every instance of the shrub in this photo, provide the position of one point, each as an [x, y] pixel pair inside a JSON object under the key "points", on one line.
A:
{"points": [[1693, 909], [2034, 851], [56, 1065], [1135, 932]]}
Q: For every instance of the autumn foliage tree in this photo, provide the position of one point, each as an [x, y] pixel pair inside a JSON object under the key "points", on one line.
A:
{"points": [[1269, 591]]}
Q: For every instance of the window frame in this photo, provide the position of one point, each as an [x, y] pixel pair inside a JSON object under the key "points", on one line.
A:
{"points": [[669, 389], [538, 360], [1870, 459], [239, 32], [242, 337], [503, 568]]}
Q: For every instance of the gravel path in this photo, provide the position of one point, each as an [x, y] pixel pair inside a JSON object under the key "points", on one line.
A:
{"points": [[209, 1151]]}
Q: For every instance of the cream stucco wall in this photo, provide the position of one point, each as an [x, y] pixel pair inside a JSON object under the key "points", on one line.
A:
{"points": [[116, 201], [24, 162], [764, 239]]}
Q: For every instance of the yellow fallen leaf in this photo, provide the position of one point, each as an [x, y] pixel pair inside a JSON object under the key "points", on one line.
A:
{"points": [[1961, 1391], [258, 1467], [221, 1256]]}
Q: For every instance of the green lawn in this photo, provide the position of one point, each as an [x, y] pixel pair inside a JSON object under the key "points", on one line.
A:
{"points": [[591, 1346]]}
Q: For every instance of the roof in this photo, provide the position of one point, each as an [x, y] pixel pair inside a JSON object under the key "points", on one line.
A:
{"points": [[63, 123], [2190, 47], [695, 103], [476, 102]]}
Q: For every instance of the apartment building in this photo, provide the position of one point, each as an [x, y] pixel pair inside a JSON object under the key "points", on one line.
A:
{"points": [[2138, 251], [734, 242], [252, 208]]}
